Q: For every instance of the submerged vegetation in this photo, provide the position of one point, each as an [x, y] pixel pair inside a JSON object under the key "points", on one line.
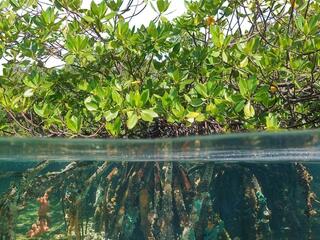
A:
{"points": [[223, 66]]}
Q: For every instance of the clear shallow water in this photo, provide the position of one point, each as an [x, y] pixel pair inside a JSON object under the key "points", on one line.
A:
{"points": [[241, 186]]}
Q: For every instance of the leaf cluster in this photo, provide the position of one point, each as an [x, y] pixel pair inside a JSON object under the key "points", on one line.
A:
{"points": [[246, 64]]}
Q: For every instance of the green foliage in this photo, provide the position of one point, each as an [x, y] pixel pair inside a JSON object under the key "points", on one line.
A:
{"points": [[163, 5], [118, 79]]}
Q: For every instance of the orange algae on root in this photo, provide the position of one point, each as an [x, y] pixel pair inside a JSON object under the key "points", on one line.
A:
{"points": [[41, 226]]}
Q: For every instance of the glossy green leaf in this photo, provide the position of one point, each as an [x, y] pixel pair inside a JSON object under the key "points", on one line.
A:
{"points": [[114, 128], [240, 105], [132, 120], [73, 122], [109, 115], [163, 5], [148, 115], [247, 86], [272, 122], [244, 62], [116, 97], [91, 104], [40, 111], [28, 93], [202, 90], [248, 110]]}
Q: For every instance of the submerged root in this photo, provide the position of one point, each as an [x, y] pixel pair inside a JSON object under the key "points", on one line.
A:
{"points": [[305, 180], [256, 213], [165, 200]]}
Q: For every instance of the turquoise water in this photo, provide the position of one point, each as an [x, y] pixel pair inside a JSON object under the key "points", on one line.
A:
{"points": [[238, 186]]}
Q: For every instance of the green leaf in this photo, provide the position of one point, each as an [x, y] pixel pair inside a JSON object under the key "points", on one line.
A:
{"points": [[109, 116], [145, 96], [88, 18], [137, 99], [74, 4], [196, 102], [148, 115], [306, 28], [240, 106], [195, 116], [89, 57], [116, 97], [313, 23], [91, 104], [300, 22], [212, 109], [48, 16], [202, 90], [152, 30], [191, 116], [247, 86], [114, 5], [224, 57], [178, 110], [98, 10], [40, 111], [263, 96], [248, 49], [248, 110], [77, 44], [132, 120], [176, 48], [175, 75], [110, 15], [114, 127], [217, 36], [70, 59], [272, 122], [163, 5], [123, 30], [244, 62], [14, 3], [73, 122], [28, 93]]}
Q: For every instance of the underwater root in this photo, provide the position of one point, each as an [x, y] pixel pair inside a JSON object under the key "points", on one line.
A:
{"points": [[161, 200], [305, 180]]}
